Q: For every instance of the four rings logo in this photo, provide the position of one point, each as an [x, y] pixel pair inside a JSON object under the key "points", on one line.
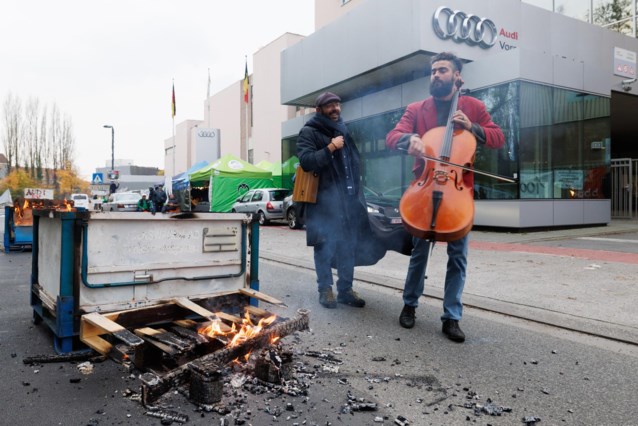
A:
{"points": [[462, 27], [206, 133]]}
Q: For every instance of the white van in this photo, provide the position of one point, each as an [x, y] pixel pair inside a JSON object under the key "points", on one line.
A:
{"points": [[81, 200]]}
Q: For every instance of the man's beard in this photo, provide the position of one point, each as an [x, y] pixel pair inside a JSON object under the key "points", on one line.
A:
{"points": [[440, 89]]}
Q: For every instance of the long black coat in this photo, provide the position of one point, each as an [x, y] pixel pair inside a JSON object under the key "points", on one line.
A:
{"points": [[335, 212]]}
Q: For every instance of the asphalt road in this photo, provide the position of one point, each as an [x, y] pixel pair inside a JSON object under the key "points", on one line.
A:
{"points": [[530, 369]]}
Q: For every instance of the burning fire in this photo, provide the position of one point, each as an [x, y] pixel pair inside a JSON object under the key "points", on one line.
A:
{"points": [[23, 211], [247, 330]]}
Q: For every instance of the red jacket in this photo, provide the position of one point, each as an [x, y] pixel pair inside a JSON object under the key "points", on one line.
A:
{"points": [[419, 117]]}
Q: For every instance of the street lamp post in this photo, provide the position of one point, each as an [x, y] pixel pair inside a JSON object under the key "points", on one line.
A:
{"points": [[106, 126]]}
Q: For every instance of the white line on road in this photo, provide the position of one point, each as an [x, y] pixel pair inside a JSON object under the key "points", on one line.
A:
{"points": [[609, 240]]}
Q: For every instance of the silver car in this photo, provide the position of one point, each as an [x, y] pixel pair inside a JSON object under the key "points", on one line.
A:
{"points": [[122, 202], [267, 203]]}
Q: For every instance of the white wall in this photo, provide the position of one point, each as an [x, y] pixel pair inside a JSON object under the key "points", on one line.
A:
{"points": [[227, 113], [268, 113], [182, 160], [327, 11]]}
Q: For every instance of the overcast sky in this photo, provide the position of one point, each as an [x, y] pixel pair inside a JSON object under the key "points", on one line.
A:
{"points": [[113, 62]]}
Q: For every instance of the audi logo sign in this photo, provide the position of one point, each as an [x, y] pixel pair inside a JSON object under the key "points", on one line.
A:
{"points": [[461, 27], [206, 133]]}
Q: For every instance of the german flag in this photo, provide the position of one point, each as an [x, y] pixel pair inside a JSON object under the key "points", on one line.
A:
{"points": [[246, 83]]}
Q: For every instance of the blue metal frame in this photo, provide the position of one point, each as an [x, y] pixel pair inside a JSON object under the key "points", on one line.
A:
{"points": [[22, 235], [64, 324], [254, 260]]}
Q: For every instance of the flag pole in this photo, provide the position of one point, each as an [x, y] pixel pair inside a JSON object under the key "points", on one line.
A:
{"points": [[174, 109], [246, 88], [208, 97]]}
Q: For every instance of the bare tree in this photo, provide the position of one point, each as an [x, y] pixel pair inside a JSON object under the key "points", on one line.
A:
{"points": [[43, 147], [12, 117], [30, 135], [67, 144], [54, 140], [37, 138]]}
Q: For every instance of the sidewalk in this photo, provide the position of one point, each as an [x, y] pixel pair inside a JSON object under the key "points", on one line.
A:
{"points": [[561, 277]]}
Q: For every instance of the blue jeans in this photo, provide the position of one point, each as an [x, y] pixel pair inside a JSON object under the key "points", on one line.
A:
{"points": [[344, 253], [454, 277]]}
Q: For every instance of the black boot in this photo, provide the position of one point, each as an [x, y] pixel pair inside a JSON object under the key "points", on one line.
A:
{"points": [[452, 330], [327, 299], [407, 317]]}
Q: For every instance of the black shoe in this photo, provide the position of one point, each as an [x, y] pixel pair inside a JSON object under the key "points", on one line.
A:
{"points": [[327, 299], [351, 298], [407, 317], [452, 330]]}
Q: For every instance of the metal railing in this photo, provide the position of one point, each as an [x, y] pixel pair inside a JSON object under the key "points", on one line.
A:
{"points": [[624, 188]]}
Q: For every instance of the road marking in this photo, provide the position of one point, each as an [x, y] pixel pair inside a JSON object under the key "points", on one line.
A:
{"points": [[609, 240], [600, 255]]}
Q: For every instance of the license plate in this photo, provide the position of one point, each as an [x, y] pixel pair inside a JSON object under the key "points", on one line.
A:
{"points": [[396, 220]]}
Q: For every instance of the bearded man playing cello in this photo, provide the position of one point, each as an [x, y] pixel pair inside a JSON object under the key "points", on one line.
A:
{"points": [[419, 118]]}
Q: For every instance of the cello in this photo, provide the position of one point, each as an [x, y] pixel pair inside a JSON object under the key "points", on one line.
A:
{"points": [[439, 205]]}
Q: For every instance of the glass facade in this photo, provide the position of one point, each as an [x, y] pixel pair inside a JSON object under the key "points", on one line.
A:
{"points": [[556, 143], [617, 15]]}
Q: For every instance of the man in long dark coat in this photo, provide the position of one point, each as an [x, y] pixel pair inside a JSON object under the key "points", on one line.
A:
{"points": [[339, 216]]}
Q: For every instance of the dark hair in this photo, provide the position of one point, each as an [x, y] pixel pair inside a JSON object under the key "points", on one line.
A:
{"points": [[448, 56]]}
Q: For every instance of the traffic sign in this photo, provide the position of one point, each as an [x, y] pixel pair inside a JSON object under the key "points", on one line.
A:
{"points": [[97, 179]]}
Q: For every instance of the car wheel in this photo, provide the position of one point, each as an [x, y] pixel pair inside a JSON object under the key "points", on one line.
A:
{"points": [[291, 217], [262, 218]]}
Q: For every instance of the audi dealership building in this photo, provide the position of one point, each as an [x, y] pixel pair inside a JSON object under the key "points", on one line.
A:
{"points": [[562, 90]]}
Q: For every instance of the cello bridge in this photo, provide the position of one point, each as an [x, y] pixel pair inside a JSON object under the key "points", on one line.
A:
{"points": [[441, 177]]}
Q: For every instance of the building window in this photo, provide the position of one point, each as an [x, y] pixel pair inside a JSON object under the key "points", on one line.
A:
{"points": [[562, 136], [557, 143]]}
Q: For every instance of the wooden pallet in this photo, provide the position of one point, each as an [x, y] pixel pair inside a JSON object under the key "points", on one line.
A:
{"points": [[102, 331], [163, 341]]}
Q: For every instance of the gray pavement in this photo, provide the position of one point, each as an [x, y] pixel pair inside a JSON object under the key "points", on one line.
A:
{"points": [[580, 279], [535, 370]]}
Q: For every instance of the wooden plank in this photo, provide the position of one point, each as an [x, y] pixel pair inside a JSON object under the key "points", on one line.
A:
{"points": [[187, 323], [258, 312], [95, 324], [229, 317], [192, 306], [261, 296], [97, 344], [102, 322], [146, 331], [147, 334]]}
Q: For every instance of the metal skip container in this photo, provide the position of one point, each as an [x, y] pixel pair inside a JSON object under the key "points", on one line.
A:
{"points": [[105, 262]]}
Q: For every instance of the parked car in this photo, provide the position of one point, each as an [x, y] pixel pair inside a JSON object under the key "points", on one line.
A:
{"points": [[81, 200], [292, 214], [122, 202], [383, 213], [267, 203]]}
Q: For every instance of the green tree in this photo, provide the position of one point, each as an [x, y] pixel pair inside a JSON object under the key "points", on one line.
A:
{"points": [[615, 15], [16, 181]]}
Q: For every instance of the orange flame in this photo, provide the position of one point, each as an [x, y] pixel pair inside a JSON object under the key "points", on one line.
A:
{"points": [[247, 330]]}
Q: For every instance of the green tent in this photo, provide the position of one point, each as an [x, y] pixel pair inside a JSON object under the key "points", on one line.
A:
{"points": [[274, 168], [229, 178], [288, 170]]}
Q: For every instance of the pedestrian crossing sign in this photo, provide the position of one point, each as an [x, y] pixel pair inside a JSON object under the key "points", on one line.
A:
{"points": [[98, 178]]}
